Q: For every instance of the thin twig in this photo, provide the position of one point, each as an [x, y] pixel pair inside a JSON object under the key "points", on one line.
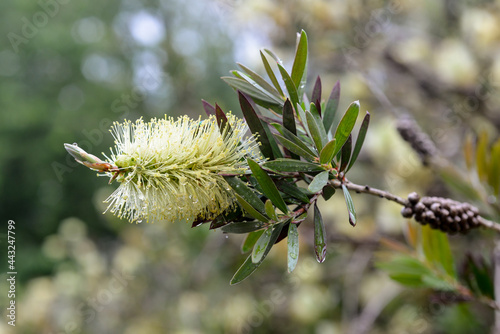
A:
{"points": [[401, 201], [369, 190], [488, 223]]}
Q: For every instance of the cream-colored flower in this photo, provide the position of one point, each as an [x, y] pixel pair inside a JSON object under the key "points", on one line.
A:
{"points": [[170, 169]]}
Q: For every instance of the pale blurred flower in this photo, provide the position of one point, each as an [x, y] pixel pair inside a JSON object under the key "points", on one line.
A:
{"points": [[171, 169]]}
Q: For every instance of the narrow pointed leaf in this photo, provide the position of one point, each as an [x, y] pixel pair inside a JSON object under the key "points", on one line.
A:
{"points": [[289, 122], [248, 266], [256, 126], [482, 156], [469, 152], [346, 125], [302, 117], [221, 119], [345, 153], [331, 107], [291, 165], [293, 247], [350, 206], [273, 98], [290, 86], [327, 153], [319, 236], [300, 61], [262, 82], [243, 227], [209, 109], [250, 241], [248, 88], [437, 250], [294, 191], [268, 187], [250, 209], [270, 210], [246, 269], [316, 94], [274, 56], [266, 242], [261, 245], [360, 140], [296, 148], [494, 170], [318, 182], [289, 117], [246, 193], [315, 132], [328, 192], [225, 218], [271, 74]]}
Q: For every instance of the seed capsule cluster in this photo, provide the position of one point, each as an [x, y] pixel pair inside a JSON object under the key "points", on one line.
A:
{"points": [[419, 141], [442, 213]]}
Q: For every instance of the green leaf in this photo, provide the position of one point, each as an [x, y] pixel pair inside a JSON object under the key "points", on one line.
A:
{"points": [[300, 62], [256, 126], [350, 206], [274, 56], [346, 125], [328, 192], [406, 270], [360, 140], [319, 236], [290, 86], [246, 193], [261, 245], [327, 153], [246, 269], [345, 154], [250, 241], [266, 242], [262, 82], [275, 99], [494, 171], [243, 227], [293, 247], [296, 147], [271, 74], [482, 156], [268, 187], [478, 275], [437, 250], [226, 217], [318, 182], [316, 130], [291, 165], [270, 210], [293, 191], [250, 209], [289, 122], [331, 107], [248, 88], [289, 117]]}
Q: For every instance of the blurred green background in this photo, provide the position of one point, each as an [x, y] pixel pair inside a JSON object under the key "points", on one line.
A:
{"points": [[69, 69]]}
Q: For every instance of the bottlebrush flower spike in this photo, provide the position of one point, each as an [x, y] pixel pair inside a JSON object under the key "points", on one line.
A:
{"points": [[171, 169]]}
